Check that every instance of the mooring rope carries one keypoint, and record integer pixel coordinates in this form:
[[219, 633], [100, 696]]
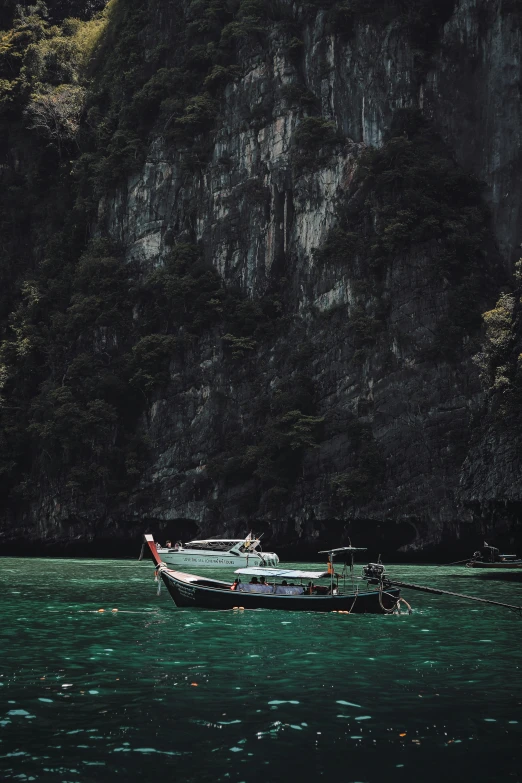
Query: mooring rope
[[354, 600], [394, 607], [436, 591], [455, 562], [157, 577]]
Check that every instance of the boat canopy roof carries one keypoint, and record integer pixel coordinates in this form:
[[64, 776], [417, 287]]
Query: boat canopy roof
[[282, 572]]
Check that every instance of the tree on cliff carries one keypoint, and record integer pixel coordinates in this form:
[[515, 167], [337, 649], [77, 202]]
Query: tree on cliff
[[57, 113]]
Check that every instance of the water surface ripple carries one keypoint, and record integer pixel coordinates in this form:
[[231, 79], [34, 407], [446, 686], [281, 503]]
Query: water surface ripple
[[152, 690]]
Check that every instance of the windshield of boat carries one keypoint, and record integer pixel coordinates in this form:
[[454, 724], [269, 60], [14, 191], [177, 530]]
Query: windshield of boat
[[249, 546]]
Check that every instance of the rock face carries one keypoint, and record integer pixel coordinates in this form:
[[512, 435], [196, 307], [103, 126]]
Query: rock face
[[443, 472], [252, 210]]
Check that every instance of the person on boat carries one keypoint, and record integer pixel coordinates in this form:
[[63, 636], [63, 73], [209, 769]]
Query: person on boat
[[264, 587], [254, 581], [168, 544], [235, 584], [295, 589]]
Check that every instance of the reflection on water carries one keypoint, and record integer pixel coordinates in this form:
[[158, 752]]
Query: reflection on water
[[149, 689]]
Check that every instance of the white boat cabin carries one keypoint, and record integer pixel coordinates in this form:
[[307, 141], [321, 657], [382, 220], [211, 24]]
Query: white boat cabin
[[218, 552]]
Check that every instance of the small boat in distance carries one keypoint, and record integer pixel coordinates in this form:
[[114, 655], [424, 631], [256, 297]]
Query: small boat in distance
[[272, 590], [490, 557], [218, 553]]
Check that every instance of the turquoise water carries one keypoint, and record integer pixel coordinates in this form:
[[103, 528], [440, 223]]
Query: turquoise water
[[152, 690]]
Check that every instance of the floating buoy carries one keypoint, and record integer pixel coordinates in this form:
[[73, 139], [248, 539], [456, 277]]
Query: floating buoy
[[114, 610], [241, 607], [235, 607], [194, 684], [101, 610]]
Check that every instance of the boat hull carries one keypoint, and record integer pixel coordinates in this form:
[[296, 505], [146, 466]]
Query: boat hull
[[187, 592], [215, 560]]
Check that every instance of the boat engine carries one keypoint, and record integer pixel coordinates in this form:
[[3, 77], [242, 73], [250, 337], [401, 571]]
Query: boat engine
[[374, 573]]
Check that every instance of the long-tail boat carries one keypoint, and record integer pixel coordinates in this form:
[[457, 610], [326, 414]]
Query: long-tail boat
[[490, 557], [269, 589]]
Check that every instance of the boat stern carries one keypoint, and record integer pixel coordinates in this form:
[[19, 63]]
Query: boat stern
[[269, 559]]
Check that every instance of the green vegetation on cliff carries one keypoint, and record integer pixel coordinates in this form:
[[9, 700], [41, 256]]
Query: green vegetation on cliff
[[85, 337], [285, 425], [414, 198], [500, 360], [88, 339]]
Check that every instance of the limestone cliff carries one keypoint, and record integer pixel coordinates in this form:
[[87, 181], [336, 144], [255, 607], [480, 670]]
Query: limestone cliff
[[402, 449]]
